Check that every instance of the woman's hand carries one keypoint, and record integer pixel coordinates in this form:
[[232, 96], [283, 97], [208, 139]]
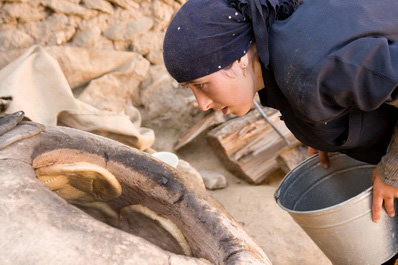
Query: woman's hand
[[382, 192], [323, 156]]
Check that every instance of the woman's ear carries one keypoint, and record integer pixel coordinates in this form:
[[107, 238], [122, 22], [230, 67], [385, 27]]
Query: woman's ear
[[244, 61]]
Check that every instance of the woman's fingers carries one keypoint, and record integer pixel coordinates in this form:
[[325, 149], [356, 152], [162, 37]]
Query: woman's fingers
[[376, 207], [382, 192], [389, 205], [312, 151], [324, 159], [323, 156]]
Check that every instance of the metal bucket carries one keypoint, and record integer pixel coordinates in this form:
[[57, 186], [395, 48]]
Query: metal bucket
[[333, 206]]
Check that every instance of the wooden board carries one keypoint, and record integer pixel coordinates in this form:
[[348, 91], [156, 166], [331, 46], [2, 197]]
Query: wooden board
[[248, 146]]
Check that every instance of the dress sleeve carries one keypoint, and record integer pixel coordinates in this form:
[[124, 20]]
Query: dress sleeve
[[361, 74], [387, 168]]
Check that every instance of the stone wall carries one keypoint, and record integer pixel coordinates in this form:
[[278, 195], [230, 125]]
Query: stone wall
[[115, 25]]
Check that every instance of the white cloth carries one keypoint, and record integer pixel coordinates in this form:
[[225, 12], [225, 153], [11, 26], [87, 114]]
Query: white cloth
[[39, 88]]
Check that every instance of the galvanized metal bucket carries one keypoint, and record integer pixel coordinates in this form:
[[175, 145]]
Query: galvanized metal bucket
[[333, 206]]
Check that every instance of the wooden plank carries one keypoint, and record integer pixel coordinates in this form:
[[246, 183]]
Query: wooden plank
[[248, 146], [290, 157], [211, 120]]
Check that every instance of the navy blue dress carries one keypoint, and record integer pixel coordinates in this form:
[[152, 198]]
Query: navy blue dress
[[333, 65]]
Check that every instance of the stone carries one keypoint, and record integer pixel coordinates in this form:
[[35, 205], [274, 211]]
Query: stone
[[65, 7], [100, 5], [76, 2], [213, 180], [156, 57], [87, 38], [101, 21], [42, 31], [104, 21], [80, 65], [75, 20], [152, 40], [169, 2], [146, 8], [103, 44], [163, 101], [111, 91], [128, 30], [61, 37], [7, 26], [11, 39], [33, 14], [18, 1], [120, 45], [5, 17], [142, 1], [22, 12], [125, 4], [163, 13]]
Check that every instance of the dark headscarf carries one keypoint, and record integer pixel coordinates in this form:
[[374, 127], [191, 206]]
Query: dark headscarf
[[208, 35]]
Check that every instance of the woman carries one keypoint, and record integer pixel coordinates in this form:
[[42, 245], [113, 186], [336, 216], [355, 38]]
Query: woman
[[330, 67]]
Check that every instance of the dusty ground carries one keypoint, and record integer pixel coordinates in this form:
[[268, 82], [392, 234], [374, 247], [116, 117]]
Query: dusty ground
[[254, 206]]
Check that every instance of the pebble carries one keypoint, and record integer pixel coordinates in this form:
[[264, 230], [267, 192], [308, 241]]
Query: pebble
[[213, 180]]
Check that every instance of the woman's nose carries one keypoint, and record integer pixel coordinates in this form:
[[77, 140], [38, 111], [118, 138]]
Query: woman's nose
[[204, 101]]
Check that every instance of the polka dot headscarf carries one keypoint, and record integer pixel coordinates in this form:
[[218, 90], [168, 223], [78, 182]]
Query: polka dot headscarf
[[208, 35]]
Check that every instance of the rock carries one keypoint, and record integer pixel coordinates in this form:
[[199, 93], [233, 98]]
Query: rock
[[146, 8], [162, 11], [5, 17], [103, 44], [112, 91], [100, 5], [191, 173], [152, 40], [169, 2], [156, 57], [104, 21], [120, 45], [76, 2], [22, 12], [61, 37], [11, 39], [43, 31], [125, 4], [80, 65], [150, 45], [18, 1], [213, 180], [128, 30], [65, 7], [163, 100], [87, 38]]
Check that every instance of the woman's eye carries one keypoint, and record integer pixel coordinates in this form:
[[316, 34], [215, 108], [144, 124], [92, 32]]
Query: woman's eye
[[200, 86]]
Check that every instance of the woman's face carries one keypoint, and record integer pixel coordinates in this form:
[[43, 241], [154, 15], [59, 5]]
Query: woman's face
[[229, 90]]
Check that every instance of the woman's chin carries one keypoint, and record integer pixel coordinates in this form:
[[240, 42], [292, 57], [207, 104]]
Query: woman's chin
[[240, 112]]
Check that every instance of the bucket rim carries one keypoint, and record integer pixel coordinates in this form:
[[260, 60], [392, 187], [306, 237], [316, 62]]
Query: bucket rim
[[323, 211], [331, 209]]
